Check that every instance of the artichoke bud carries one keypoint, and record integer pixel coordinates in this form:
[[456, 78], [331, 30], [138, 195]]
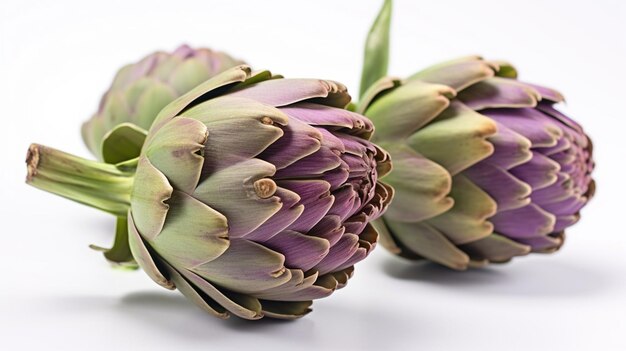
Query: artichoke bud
[[140, 90], [485, 167], [251, 194]]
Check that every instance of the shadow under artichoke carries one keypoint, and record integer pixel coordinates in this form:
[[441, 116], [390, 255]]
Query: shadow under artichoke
[[533, 277]]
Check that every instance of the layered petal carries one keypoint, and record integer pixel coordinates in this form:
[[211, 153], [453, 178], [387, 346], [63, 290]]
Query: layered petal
[[456, 140], [458, 74], [422, 186]]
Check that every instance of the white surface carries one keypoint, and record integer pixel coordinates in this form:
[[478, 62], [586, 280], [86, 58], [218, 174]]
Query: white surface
[[57, 57]]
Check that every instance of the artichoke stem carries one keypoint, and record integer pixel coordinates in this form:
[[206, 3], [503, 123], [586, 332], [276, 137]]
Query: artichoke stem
[[99, 185]]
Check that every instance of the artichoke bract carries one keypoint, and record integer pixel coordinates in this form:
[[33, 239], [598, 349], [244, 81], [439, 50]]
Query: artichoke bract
[[251, 194], [140, 90], [485, 168]]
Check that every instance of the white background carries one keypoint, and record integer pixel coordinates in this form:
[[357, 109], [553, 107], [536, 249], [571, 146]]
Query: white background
[[57, 57]]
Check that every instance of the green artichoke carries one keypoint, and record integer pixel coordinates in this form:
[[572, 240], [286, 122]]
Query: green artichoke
[[251, 194], [485, 168], [140, 90]]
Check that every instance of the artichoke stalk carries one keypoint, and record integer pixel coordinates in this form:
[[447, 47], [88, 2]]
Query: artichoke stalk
[[140, 90], [251, 194], [485, 167]]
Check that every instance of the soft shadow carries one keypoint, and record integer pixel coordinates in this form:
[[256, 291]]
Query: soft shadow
[[169, 313], [262, 324], [342, 322], [531, 276], [368, 324], [150, 299], [335, 323], [159, 308]]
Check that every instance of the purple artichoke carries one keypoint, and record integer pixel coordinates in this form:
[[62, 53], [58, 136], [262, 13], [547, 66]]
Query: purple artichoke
[[485, 168], [252, 194], [140, 90]]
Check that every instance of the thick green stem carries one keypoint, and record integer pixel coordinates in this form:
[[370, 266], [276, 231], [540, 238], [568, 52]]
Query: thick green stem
[[99, 185]]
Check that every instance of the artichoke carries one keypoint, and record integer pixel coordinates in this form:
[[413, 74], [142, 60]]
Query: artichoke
[[251, 194], [485, 168], [140, 90]]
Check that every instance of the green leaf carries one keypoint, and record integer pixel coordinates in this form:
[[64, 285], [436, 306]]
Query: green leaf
[[122, 143], [119, 255], [376, 59]]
